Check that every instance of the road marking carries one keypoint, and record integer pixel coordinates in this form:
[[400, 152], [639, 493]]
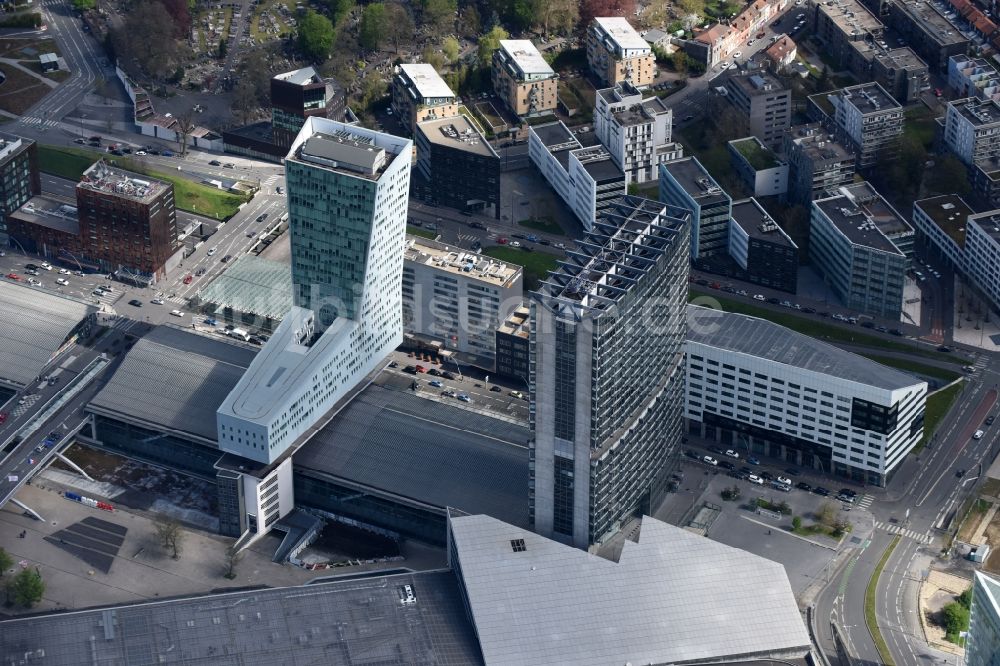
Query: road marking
[[920, 537], [865, 501]]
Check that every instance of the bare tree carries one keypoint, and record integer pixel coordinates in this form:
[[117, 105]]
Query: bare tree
[[185, 126], [171, 536], [233, 558]]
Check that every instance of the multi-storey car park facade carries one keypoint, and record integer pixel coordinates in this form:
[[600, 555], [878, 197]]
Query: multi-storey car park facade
[[764, 389], [606, 333]]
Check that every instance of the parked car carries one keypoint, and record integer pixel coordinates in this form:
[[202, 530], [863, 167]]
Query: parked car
[[62, 281], [802, 485], [732, 454], [464, 398], [215, 163], [436, 383], [710, 460], [753, 478], [821, 491], [135, 302], [177, 313], [753, 460]]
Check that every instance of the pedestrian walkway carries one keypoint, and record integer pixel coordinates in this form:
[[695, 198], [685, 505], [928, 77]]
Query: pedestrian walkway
[[33, 121], [865, 501], [921, 537]]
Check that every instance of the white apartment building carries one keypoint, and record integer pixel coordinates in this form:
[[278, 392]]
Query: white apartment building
[[763, 389], [972, 129], [347, 201], [636, 132], [587, 179], [982, 254], [457, 297]]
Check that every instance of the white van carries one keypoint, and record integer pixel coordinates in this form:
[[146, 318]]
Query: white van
[[239, 334]]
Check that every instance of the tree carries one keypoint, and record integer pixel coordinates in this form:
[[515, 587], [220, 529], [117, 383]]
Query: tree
[[556, 15], [591, 8], [6, 561], [399, 25], [489, 43], [27, 588], [84, 5], [372, 27], [826, 514], [797, 523], [185, 125], [949, 176], [178, 10], [169, 531], [691, 6], [223, 48], [469, 24], [244, 102], [233, 558], [680, 61], [339, 9], [142, 39], [439, 14], [435, 59], [955, 618], [451, 48], [315, 35], [965, 598]]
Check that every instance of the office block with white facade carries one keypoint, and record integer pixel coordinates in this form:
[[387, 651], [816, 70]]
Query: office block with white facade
[[616, 52], [348, 193], [865, 116], [942, 222], [636, 132], [419, 93], [763, 389], [850, 246], [607, 328], [587, 179], [972, 129], [982, 254], [760, 169], [687, 184], [982, 646], [457, 297]]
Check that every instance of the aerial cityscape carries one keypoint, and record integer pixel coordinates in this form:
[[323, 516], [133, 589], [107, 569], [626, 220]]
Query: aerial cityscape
[[578, 332]]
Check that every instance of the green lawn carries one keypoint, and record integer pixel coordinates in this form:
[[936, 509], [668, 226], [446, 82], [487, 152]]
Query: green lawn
[[824, 330], [536, 264], [870, 618], [543, 224], [919, 124], [938, 405], [699, 139], [915, 368], [65, 162], [188, 195], [417, 231]]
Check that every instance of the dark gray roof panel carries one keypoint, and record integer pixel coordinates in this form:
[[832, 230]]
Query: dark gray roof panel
[[33, 326], [175, 380], [426, 451], [764, 339], [360, 621]]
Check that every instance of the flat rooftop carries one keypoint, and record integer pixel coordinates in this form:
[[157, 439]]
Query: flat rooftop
[[869, 98], [758, 83], [880, 211], [755, 221], [989, 222], [902, 58], [34, 324], [694, 179], [469, 265], [426, 80], [527, 58], [978, 112], [457, 132], [756, 154], [10, 143], [341, 623], [51, 211], [851, 16], [621, 33], [517, 323], [639, 114], [819, 145], [933, 22], [949, 212], [536, 601], [626, 240], [103, 177], [763, 339], [597, 162], [555, 136], [852, 221], [424, 451], [174, 380]]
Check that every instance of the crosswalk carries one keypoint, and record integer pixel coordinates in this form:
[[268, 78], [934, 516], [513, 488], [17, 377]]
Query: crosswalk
[[34, 121], [29, 400], [981, 362], [467, 238], [921, 537], [270, 180], [124, 324], [865, 502]]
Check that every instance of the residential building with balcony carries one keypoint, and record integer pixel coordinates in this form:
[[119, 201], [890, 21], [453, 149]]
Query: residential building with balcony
[[617, 53], [523, 79], [420, 94]]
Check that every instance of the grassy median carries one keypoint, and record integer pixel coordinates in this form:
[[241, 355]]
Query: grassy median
[[871, 618]]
